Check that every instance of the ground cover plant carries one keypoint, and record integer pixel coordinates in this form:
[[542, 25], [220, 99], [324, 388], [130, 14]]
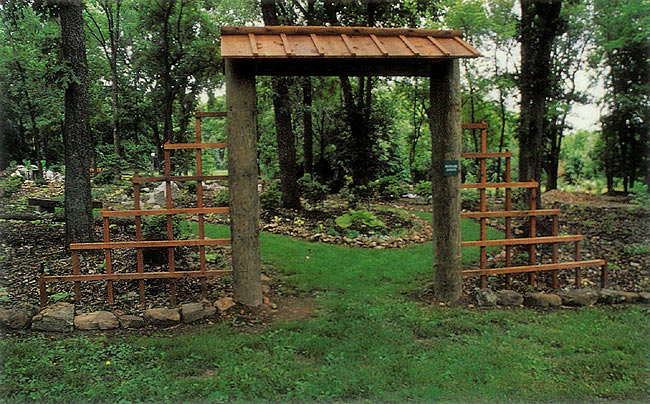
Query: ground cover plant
[[367, 341]]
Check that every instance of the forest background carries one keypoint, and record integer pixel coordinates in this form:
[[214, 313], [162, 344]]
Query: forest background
[[151, 64]]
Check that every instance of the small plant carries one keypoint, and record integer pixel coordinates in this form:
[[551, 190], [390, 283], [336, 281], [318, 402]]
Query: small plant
[[12, 184], [359, 219], [388, 188], [155, 228], [640, 195], [270, 199], [423, 189], [312, 190], [222, 198]]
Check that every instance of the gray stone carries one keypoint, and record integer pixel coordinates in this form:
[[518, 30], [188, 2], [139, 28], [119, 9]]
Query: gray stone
[[611, 296], [578, 297], [163, 316], [191, 312], [58, 317], [157, 196], [542, 300], [644, 297], [130, 321], [97, 320], [265, 279], [509, 298], [209, 310], [18, 317], [224, 304], [486, 297]]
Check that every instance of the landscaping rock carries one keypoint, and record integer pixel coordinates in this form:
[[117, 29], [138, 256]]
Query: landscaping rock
[[157, 196], [18, 317], [98, 320], [209, 310], [130, 321], [224, 303], [509, 298], [610, 296], [163, 316], [265, 279], [578, 297], [644, 297], [486, 297], [191, 312], [58, 317], [542, 300]]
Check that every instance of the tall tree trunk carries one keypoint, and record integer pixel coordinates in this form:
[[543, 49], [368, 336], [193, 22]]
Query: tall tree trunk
[[539, 26], [283, 129], [76, 131]]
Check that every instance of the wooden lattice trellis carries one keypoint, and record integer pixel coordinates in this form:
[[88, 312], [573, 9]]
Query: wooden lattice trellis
[[107, 245], [532, 212]]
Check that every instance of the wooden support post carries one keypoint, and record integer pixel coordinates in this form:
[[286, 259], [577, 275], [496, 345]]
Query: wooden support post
[[578, 257], [138, 237], [199, 204], [532, 252], [76, 271], [483, 207], [445, 124], [242, 180], [170, 230], [41, 287], [107, 258], [604, 276], [508, 220], [556, 232]]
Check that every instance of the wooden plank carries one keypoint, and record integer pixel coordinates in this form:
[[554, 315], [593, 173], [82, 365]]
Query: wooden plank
[[409, 45], [107, 259], [531, 184], [533, 268], [319, 48], [508, 220], [475, 125], [55, 203], [438, 45], [156, 212], [324, 30], [149, 244], [532, 251], [253, 43], [210, 114], [135, 276], [379, 45], [485, 155], [512, 213], [467, 46], [161, 178], [348, 44], [138, 237], [177, 146], [285, 43], [520, 241]]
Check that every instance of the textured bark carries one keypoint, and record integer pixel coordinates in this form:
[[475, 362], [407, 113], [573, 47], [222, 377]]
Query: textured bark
[[242, 177], [539, 26], [76, 128], [308, 135], [445, 123]]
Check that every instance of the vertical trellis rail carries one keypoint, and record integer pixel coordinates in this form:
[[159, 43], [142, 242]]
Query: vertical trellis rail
[[170, 243], [532, 240]]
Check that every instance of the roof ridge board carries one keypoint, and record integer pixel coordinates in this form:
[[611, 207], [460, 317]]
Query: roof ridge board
[[337, 30]]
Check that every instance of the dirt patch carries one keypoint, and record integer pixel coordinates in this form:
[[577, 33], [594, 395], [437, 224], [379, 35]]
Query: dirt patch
[[584, 198]]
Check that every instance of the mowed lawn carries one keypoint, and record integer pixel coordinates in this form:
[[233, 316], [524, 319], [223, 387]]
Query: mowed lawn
[[368, 341]]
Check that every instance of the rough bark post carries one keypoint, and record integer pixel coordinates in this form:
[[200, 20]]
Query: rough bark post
[[445, 123], [242, 178], [78, 143]]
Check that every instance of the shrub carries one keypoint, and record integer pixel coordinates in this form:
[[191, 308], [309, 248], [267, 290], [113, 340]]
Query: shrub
[[155, 228], [312, 190], [270, 199], [359, 220], [640, 195], [388, 188], [12, 184], [423, 189], [222, 198]]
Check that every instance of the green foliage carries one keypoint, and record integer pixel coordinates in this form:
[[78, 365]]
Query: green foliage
[[312, 190], [640, 195], [388, 188], [359, 220], [423, 189], [271, 197], [11, 185], [222, 198], [155, 227]]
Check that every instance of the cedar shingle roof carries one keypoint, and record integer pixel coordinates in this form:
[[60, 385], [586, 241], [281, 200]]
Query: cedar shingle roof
[[342, 42]]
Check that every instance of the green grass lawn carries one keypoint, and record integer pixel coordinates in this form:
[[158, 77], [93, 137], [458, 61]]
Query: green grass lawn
[[367, 342]]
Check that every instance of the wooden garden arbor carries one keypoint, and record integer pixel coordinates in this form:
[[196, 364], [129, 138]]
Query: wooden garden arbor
[[349, 51]]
